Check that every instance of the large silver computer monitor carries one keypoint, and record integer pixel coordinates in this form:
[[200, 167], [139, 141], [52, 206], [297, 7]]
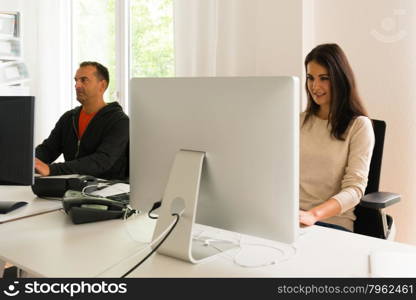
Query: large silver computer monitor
[[247, 129]]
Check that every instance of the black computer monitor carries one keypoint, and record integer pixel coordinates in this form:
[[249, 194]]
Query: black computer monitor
[[16, 140]]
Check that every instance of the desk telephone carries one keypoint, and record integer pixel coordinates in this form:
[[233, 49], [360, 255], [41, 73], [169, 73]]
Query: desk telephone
[[78, 203], [86, 208]]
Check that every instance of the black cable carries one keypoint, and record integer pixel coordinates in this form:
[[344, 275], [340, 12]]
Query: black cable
[[152, 217], [155, 206], [154, 249]]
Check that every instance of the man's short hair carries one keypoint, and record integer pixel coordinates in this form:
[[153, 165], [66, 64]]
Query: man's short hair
[[102, 72]]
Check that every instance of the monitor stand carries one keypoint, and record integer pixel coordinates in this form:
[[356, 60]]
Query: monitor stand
[[181, 195]]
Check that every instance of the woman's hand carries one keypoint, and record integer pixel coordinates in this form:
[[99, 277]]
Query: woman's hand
[[325, 210], [307, 218]]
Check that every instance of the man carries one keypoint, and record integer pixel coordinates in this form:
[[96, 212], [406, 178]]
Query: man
[[93, 137]]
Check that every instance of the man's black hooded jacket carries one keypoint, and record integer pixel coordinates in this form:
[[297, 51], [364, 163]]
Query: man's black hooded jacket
[[102, 151]]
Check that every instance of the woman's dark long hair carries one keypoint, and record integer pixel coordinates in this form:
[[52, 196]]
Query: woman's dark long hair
[[345, 103]]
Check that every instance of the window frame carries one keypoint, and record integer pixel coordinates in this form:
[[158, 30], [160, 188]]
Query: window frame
[[122, 52], [123, 58]]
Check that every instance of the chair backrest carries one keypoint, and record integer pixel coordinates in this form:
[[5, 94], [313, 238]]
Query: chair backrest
[[369, 221], [375, 165], [127, 174]]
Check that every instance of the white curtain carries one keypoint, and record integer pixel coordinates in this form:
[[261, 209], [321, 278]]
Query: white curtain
[[46, 33], [238, 37]]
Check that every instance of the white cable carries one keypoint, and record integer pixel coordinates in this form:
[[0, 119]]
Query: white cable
[[235, 258], [148, 246], [126, 226], [88, 186], [272, 262], [98, 185], [210, 239]]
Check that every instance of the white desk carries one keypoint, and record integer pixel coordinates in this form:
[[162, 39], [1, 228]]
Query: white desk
[[24, 193], [49, 245], [35, 206], [321, 252]]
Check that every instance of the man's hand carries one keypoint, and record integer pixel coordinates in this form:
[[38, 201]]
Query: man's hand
[[41, 167]]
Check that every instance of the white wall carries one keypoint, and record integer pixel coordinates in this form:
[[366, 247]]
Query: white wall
[[379, 39], [308, 41], [47, 53]]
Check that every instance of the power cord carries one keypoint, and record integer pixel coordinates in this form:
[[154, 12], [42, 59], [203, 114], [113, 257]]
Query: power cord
[[142, 249], [155, 206], [154, 249]]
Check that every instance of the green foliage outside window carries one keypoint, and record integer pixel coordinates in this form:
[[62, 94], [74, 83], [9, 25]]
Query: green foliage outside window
[[152, 53], [151, 37]]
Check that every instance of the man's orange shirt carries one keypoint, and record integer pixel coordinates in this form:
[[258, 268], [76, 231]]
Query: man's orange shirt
[[84, 120]]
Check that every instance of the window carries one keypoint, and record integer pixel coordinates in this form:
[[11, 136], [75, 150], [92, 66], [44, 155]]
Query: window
[[98, 26], [151, 38], [94, 37]]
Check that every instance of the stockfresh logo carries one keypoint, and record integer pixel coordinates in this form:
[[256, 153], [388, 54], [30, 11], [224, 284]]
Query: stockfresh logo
[[11, 290], [391, 32]]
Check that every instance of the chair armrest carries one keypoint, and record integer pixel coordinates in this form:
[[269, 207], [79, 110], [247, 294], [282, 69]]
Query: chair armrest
[[379, 200]]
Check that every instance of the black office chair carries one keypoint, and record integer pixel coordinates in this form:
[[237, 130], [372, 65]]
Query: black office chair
[[371, 219], [127, 174]]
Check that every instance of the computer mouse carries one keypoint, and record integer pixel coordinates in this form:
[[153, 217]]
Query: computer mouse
[[8, 206]]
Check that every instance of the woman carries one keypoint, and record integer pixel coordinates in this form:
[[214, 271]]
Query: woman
[[336, 139]]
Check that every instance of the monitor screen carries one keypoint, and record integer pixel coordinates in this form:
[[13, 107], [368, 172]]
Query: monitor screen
[[16, 140], [248, 128]]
